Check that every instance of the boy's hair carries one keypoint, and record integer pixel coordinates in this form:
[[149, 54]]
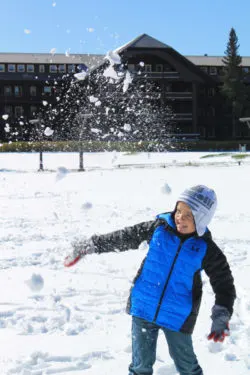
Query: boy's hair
[[203, 202]]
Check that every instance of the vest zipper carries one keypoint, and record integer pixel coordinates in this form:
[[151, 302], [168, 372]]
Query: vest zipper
[[167, 281]]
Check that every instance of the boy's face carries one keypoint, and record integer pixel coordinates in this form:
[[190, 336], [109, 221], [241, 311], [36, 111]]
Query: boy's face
[[184, 219]]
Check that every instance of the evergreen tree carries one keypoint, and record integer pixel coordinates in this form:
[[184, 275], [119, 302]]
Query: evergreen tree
[[234, 88]]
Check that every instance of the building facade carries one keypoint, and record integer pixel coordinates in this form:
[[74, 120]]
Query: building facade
[[191, 84]]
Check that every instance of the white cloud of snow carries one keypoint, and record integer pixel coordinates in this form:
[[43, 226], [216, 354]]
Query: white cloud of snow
[[48, 131]]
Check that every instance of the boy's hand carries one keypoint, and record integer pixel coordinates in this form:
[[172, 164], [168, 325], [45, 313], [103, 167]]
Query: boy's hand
[[220, 325], [219, 335], [80, 249]]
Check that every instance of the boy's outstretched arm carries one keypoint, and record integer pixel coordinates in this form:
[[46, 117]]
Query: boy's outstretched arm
[[120, 240], [222, 282]]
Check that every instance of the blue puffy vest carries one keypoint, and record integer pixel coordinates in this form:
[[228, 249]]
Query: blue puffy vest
[[163, 291]]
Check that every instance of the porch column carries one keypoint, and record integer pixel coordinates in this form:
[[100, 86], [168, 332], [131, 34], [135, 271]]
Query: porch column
[[194, 108]]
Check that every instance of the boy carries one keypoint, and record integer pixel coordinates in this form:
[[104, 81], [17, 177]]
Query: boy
[[167, 289]]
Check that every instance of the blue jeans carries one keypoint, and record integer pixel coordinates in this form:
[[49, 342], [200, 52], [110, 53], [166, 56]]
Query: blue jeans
[[144, 340]]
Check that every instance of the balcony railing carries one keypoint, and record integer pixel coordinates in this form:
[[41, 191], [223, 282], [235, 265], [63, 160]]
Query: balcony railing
[[178, 95], [169, 75], [182, 117]]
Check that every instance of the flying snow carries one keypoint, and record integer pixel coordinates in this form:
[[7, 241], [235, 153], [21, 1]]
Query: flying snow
[[61, 173], [52, 51], [35, 283], [48, 131], [27, 31], [113, 58], [127, 127], [87, 205], [127, 81], [67, 52], [7, 128], [93, 99], [80, 76], [5, 117], [111, 73], [90, 29], [166, 189]]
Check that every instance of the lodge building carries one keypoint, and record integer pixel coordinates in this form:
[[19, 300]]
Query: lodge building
[[192, 83]]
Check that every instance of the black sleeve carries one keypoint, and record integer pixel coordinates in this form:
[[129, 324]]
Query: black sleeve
[[124, 239], [217, 268]]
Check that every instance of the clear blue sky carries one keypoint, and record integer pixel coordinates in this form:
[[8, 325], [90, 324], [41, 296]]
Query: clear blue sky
[[192, 27]]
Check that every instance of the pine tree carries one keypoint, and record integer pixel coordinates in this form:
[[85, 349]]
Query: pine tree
[[234, 89]]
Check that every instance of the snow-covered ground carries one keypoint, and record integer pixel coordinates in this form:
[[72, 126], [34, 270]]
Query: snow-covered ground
[[73, 321]]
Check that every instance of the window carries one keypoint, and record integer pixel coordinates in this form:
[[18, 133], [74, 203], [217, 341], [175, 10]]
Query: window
[[167, 68], [53, 68], [21, 68], [213, 70], [210, 132], [148, 68], [169, 87], [71, 68], [33, 90], [47, 90], [7, 90], [33, 110], [18, 111], [30, 68], [211, 91], [11, 68], [245, 69], [204, 68], [2, 68], [8, 109], [131, 67], [202, 131], [18, 90], [41, 68], [159, 68], [61, 68]]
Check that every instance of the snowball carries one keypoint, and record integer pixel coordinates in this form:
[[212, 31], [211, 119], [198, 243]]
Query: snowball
[[141, 63], [35, 283], [127, 127], [61, 173], [5, 117], [113, 58], [127, 81], [166, 189], [87, 206], [53, 51], [48, 132], [95, 130], [45, 103], [80, 76], [98, 103], [93, 99], [7, 128], [111, 73]]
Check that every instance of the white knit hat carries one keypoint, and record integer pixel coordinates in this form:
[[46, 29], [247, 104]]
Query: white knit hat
[[203, 202]]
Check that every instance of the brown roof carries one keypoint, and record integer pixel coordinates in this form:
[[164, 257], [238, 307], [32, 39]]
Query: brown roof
[[214, 60], [48, 58]]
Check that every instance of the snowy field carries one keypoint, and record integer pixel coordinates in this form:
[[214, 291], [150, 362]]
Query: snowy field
[[55, 320]]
